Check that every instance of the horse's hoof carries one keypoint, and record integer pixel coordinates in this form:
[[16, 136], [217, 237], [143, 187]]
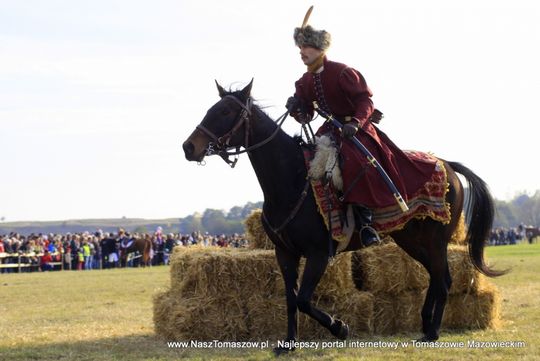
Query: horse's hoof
[[278, 351], [340, 329], [428, 338]]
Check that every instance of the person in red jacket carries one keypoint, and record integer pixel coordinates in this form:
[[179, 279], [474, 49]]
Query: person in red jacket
[[45, 261], [342, 91]]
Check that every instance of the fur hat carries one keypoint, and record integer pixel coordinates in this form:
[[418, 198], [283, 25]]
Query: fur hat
[[306, 35]]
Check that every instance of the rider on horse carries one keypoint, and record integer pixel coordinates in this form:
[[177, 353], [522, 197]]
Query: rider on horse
[[342, 91]]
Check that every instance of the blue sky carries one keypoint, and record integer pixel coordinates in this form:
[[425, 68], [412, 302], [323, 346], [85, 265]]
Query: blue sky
[[97, 96]]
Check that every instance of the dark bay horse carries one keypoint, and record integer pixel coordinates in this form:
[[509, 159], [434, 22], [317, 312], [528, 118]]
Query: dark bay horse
[[293, 223]]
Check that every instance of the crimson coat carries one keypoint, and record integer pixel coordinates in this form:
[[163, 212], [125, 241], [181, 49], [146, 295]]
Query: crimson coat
[[343, 92]]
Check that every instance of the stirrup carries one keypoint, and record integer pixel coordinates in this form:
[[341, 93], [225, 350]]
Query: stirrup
[[373, 231]]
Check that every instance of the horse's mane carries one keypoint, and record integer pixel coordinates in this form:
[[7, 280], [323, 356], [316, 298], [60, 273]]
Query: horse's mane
[[297, 139]]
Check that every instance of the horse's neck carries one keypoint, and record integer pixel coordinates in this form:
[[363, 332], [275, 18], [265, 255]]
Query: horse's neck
[[278, 165]]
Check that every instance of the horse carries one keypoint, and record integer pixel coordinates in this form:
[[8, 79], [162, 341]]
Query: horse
[[136, 244], [532, 233], [292, 221]]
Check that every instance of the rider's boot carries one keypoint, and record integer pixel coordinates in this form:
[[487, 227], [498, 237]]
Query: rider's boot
[[363, 219]]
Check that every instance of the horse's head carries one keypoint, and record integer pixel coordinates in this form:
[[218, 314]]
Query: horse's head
[[221, 128]]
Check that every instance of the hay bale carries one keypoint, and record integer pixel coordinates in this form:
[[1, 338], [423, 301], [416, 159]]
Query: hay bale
[[255, 233], [408, 308], [212, 272], [388, 269], [384, 315], [199, 318], [397, 313], [474, 310], [266, 317], [402, 312], [337, 281], [162, 311]]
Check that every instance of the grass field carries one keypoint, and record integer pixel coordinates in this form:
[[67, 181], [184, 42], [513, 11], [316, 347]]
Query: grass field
[[107, 315]]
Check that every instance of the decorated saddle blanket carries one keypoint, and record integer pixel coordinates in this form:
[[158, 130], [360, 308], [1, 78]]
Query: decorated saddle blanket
[[324, 173], [428, 201]]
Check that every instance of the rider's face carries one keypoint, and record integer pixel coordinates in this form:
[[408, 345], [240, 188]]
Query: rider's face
[[309, 54]]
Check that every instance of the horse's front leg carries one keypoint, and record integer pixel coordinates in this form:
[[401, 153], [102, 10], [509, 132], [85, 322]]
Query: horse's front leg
[[288, 264], [314, 270]]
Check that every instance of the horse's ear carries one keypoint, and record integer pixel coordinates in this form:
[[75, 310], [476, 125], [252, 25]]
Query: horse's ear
[[220, 89], [246, 92]]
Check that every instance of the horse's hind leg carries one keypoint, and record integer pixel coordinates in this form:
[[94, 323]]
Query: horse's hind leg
[[313, 271]]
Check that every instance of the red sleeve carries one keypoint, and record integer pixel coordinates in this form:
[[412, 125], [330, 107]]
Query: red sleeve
[[358, 93]]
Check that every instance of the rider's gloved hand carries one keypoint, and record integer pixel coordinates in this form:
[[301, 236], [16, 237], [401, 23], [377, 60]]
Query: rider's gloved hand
[[296, 110], [349, 129], [292, 104]]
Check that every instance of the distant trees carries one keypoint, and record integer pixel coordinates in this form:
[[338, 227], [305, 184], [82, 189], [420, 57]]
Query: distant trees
[[522, 209], [217, 221]]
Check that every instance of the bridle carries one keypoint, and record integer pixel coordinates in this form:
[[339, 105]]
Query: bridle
[[221, 145]]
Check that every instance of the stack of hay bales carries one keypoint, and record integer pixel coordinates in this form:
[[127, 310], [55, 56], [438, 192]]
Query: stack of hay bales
[[238, 295]]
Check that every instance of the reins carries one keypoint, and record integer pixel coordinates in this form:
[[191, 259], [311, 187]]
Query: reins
[[221, 145]]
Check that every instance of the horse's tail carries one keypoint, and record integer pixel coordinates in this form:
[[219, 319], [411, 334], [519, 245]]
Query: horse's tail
[[481, 212]]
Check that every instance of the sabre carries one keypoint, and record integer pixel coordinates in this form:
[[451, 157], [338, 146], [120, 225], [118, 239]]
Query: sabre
[[371, 159]]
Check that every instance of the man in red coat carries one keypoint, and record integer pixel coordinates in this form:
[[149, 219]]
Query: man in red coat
[[343, 92]]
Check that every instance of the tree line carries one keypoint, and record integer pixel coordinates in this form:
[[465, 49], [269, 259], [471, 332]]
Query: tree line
[[523, 208]]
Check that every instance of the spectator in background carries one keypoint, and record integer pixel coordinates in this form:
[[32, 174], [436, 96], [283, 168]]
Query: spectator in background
[[80, 259], [45, 262], [168, 247], [75, 244], [67, 256], [111, 246], [158, 245], [87, 254], [97, 252], [103, 245]]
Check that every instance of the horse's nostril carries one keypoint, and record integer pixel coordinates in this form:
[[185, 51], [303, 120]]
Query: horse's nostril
[[189, 148]]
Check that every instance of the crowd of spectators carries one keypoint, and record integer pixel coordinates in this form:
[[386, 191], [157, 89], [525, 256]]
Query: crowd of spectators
[[98, 250], [503, 236]]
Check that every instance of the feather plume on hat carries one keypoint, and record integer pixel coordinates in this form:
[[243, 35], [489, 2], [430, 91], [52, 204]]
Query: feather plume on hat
[[306, 35]]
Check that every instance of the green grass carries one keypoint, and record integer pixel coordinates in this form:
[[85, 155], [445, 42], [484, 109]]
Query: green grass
[[107, 315]]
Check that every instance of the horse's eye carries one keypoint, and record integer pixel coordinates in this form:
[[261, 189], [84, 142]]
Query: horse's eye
[[225, 111]]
